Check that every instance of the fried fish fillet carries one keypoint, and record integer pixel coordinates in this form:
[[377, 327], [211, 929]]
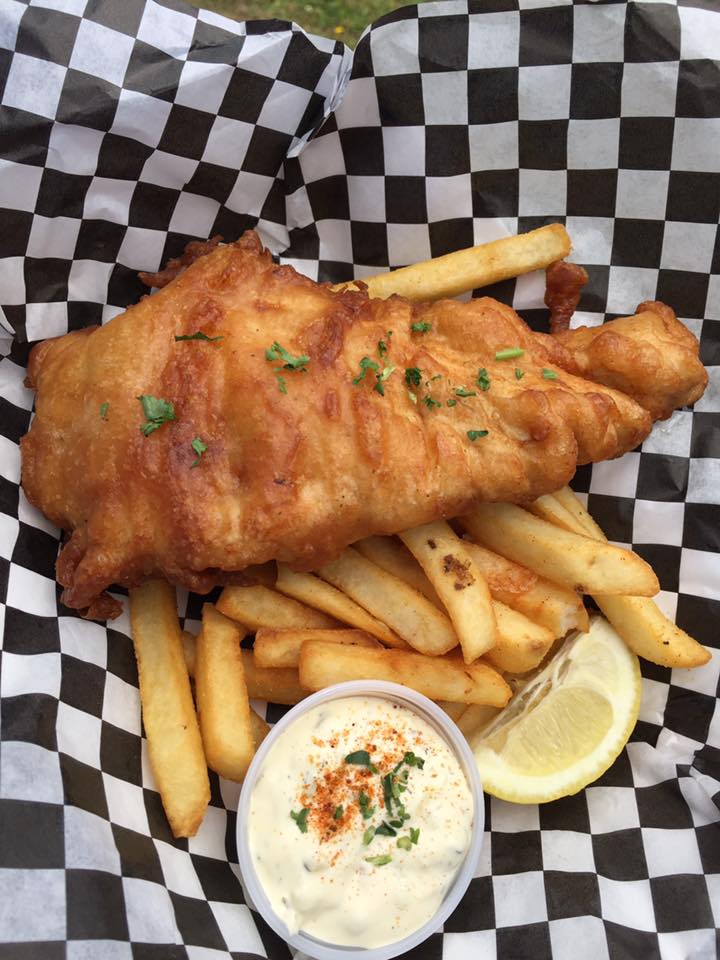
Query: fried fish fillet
[[316, 418]]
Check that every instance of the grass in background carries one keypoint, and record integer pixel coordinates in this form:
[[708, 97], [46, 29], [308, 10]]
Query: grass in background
[[340, 19]]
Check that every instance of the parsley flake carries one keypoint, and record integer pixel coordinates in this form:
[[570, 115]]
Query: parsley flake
[[413, 376], [104, 407], [277, 352], [422, 326], [510, 354], [483, 380], [361, 758], [382, 348], [365, 808], [379, 861], [337, 815], [381, 378], [199, 335], [282, 386], [414, 834], [519, 374], [368, 836], [405, 843], [452, 403], [199, 447], [476, 434], [157, 412], [549, 374], [301, 819], [385, 830], [430, 403], [413, 761], [462, 392], [365, 364]]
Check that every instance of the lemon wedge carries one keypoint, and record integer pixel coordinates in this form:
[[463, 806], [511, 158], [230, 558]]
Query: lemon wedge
[[567, 723]]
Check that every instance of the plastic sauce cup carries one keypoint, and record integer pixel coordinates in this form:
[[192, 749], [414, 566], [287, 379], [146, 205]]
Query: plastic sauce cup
[[445, 727]]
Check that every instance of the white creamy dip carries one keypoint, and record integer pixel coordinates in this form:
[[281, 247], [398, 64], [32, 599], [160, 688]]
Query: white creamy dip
[[316, 809]]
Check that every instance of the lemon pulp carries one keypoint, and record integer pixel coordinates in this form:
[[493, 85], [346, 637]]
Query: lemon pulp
[[568, 722]]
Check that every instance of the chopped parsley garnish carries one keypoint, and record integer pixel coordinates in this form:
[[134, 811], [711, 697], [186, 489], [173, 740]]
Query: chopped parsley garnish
[[549, 374], [368, 836], [462, 392], [337, 815], [422, 326], [379, 861], [519, 374], [382, 346], [430, 403], [365, 364], [157, 412], [104, 407], [476, 434], [405, 843], [414, 761], [510, 354], [413, 376], [301, 819], [277, 352], [381, 378], [483, 380], [199, 447], [282, 386], [362, 759], [199, 335], [365, 808], [414, 834], [385, 830], [452, 403], [387, 785]]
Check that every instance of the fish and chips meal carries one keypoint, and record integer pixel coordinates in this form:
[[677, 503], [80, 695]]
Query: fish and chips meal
[[378, 479]]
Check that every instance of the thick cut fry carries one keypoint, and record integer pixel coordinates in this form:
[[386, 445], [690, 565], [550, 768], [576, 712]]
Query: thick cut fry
[[258, 606], [638, 620], [281, 648], [260, 728], [550, 509], [446, 678], [453, 710], [475, 718], [316, 593], [406, 611], [521, 644], [171, 725], [567, 558], [274, 685], [221, 697], [459, 584], [557, 608], [474, 267], [393, 556]]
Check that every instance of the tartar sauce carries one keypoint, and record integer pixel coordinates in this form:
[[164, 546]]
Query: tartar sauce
[[359, 821]]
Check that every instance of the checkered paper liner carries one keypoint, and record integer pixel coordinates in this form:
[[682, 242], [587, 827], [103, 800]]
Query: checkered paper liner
[[128, 129]]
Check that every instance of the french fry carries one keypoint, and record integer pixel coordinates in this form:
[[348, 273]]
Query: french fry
[[260, 728], [473, 267], [550, 509], [273, 685], [475, 718], [281, 648], [570, 559], [221, 697], [171, 725], [556, 608], [408, 613], [259, 606], [453, 710], [639, 621], [521, 644], [393, 556], [459, 584], [316, 593], [446, 678]]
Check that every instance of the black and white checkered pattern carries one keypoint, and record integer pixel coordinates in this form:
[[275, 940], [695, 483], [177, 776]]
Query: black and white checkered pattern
[[127, 129]]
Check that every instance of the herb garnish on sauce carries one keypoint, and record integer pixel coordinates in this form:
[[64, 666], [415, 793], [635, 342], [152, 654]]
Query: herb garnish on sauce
[[301, 819]]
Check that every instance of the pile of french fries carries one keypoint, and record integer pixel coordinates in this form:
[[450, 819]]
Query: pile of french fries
[[458, 611]]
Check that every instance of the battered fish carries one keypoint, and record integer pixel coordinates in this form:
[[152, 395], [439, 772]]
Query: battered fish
[[289, 420]]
